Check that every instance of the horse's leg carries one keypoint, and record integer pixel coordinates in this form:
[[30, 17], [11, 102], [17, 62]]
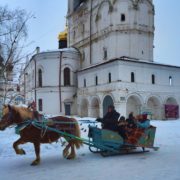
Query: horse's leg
[[15, 146], [65, 151], [72, 155], [37, 151]]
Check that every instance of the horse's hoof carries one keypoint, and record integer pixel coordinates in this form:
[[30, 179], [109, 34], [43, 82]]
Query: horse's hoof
[[70, 157], [65, 154], [21, 152], [35, 163]]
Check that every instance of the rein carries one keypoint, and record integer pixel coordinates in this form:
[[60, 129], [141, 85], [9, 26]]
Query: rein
[[44, 123], [22, 125]]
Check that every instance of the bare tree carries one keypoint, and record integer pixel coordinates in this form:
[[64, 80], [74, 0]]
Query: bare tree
[[13, 35]]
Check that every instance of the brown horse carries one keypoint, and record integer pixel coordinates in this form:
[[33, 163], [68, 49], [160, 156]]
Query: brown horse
[[18, 115]]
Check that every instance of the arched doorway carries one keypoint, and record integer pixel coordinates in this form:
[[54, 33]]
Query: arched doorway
[[95, 107], [171, 108], [171, 101], [107, 102], [134, 105], [84, 108], [154, 105]]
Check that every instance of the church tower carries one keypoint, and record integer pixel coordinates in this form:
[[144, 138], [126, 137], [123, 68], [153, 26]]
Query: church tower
[[109, 29]]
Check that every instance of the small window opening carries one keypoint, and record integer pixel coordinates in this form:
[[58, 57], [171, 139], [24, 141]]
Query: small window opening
[[123, 17]]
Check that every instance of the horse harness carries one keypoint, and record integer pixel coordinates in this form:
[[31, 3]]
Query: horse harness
[[43, 125]]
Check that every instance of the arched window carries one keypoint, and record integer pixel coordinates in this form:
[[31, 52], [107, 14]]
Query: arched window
[[105, 53], [84, 82], [77, 3], [170, 80], [153, 79], [109, 76], [132, 77], [96, 80], [67, 77], [39, 77]]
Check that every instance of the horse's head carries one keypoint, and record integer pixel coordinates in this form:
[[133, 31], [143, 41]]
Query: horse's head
[[7, 117], [13, 115]]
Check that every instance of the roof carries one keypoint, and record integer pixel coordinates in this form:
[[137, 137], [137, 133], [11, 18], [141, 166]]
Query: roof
[[52, 51], [127, 59]]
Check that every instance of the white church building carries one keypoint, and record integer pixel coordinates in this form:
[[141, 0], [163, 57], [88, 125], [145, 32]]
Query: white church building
[[108, 60]]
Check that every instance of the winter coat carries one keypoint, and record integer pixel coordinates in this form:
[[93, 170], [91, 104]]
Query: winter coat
[[144, 124], [131, 123], [110, 120]]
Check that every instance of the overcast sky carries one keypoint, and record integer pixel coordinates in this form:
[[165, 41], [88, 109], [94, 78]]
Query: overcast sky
[[50, 20]]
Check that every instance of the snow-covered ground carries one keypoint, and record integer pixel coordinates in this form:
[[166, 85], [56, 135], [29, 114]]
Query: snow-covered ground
[[155, 165]]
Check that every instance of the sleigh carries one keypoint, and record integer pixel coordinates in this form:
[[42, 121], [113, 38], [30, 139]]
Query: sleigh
[[109, 143]]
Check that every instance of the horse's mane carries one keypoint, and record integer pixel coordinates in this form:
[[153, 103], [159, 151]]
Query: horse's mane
[[25, 113]]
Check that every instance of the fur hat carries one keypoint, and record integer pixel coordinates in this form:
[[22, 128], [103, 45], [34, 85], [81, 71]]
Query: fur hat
[[111, 107]]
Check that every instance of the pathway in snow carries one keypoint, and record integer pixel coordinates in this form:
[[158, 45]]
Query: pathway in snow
[[161, 165]]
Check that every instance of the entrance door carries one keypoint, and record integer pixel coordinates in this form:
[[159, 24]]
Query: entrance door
[[67, 109], [107, 101], [171, 111]]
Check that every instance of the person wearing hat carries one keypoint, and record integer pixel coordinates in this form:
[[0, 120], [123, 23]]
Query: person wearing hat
[[143, 122], [131, 121], [110, 120]]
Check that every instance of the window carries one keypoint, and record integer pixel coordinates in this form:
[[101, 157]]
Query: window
[[67, 109], [67, 78], [40, 104], [84, 82], [153, 79], [170, 80], [109, 76], [132, 77], [83, 56], [40, 78], [96, 80], [123, 17], [105, 53], [77, 3], [74, 34], [82, 28]]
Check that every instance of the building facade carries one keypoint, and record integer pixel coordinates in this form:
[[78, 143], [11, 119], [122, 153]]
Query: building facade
[[116, 41], [50, 80], [110, 61]]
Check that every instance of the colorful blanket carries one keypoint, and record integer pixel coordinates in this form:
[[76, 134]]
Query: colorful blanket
[[133, 135]]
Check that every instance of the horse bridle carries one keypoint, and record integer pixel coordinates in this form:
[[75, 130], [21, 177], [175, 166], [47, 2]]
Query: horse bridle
[[9, 117]]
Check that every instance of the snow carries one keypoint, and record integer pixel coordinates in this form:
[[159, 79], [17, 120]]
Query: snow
[[154, 165]]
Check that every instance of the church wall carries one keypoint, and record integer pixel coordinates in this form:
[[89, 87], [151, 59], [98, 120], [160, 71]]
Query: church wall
[[51, 92], [133, 36], [121, 87]]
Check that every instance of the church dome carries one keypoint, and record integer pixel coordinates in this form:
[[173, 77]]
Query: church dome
[[63, 35]]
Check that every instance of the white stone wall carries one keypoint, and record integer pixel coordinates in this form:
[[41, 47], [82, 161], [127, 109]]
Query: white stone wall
[[92, 35], [133, 37], [53, 90], [139, 96]]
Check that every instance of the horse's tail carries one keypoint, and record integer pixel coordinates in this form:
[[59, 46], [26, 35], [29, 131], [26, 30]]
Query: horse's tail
[[78, 143]]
